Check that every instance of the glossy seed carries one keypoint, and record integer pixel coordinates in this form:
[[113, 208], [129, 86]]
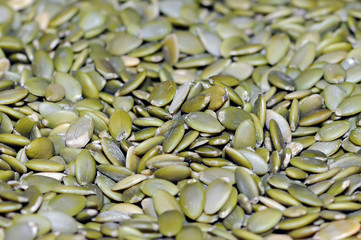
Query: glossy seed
[[79, 132], [120, 124], [264, 220], [203, 122], [304, 195], [216, 196], [338, 230], [170, 223]]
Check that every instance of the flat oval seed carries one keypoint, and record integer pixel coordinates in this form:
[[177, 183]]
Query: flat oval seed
[[282, 124], [44, 165], [332, 131], [307, 79], [310, 165], [334, 73], [164, 201], [70, 204], [89, 89], [208, 175], [43, 223], [348, 106], [196, 103], [25, 231], [279, 41], [327, 148], [43, 65], [304, 195], [173, 173], [191, 233], [185, 38], [170, 223], [244, 234], [72, 87], [203, 122], [210, 40], [173, 138], [171, 49], [126, 208], [126, 41], [333, 96], [338, 230], [79, 132], [13, 95], [120, 125], [246, 184], [231, 117], [264, 220], [192, 199], [294, 223], [282, 197], [216, 196], [162, 93], [54, 92], [57, 220], [113, 152], [155, 30], [259, 165], [304, 56], [129, 181], [85, 168], [131, 84], [245, 128], [40, 148], [63, 59], [150, 186], [238, 157]]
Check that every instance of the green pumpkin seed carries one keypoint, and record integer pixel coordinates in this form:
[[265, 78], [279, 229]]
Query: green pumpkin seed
[[281, 42], [70, 204], [120, 124], [155, 30], [210, 40], [332, 131], [173, 173], [57, 219], [79, 132], [338, 229], [71, 86], [21, 231], [203, 122], [304, 195], [347, 106], [308, 78], [164, 201], [85, 168], [127, 41], [162, 93], [247, 128], [246, 184], [294, 223], [264, 220], [231, 117], [190, 232], [213, 201], [131, 84], [13, 95]]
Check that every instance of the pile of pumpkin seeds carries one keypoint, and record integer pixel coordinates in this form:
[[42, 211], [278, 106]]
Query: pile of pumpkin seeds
[[185, 119]]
